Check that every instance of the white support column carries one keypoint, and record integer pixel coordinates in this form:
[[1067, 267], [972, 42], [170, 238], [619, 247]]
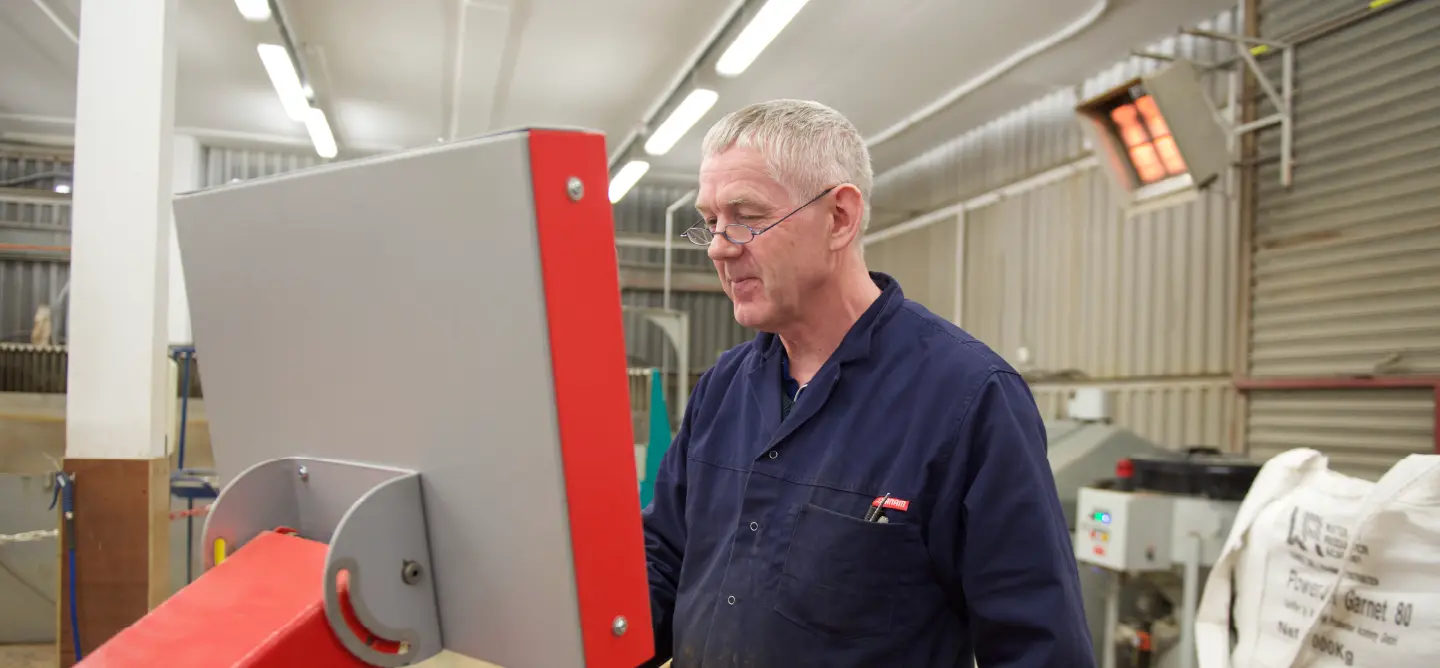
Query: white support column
[[124, 119]]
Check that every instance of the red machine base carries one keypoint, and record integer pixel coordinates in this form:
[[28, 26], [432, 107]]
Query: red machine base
[[262, 607]]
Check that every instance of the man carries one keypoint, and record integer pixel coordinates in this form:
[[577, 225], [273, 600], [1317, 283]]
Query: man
[[863, 484]]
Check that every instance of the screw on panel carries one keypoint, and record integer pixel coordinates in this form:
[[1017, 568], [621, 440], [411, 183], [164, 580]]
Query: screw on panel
[[619, 626], [410, 572], [575, 188], [304, 473]]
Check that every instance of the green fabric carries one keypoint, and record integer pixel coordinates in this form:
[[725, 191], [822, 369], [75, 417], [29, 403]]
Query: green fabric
[[659, 437]]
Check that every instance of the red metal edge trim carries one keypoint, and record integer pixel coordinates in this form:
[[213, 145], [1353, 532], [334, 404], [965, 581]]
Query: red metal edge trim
[[1336, 383], [1250, 384], [587, 352]]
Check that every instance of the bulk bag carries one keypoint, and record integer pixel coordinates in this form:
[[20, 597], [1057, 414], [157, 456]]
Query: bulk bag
[[1323, 570]]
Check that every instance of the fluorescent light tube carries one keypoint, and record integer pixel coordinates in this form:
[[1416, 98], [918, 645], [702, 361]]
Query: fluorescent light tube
[[286, 81], [254, 10], [320, 134], [685, 116], [768, 22], [626, 178]]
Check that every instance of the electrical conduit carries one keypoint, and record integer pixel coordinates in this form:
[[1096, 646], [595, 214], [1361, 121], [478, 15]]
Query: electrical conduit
[[955, 95]]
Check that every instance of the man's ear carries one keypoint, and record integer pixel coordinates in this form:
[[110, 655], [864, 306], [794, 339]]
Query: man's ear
[[847, 211]]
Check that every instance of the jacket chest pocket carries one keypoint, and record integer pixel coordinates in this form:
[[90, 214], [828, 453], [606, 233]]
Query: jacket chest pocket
[[843, 577]]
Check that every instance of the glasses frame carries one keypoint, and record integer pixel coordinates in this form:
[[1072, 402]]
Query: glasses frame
[[704, 225]]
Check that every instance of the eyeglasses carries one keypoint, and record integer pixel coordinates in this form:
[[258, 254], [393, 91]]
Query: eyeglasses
[[738, 233]]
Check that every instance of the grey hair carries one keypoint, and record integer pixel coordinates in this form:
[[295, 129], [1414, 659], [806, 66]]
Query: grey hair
[[808, 146]]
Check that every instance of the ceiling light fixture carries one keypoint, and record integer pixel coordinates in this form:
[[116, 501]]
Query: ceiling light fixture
[[626, 178], [286, 80], [254, 10], [767, 24], [685, 116], [320, 134]]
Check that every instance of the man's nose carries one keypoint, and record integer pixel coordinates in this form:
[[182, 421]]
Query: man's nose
[[721, 247]]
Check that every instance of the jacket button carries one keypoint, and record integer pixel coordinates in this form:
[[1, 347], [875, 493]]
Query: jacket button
[[754, 526], [774, 454], [730, 600]]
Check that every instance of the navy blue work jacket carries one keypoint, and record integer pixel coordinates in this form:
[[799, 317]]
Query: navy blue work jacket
[[758, 554]]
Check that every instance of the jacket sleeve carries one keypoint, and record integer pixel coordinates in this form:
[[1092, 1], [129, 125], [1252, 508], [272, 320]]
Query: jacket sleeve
[[1002, 539], [665, 530]]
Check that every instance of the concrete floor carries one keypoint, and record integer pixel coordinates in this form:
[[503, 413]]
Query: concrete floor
[[28, 656]]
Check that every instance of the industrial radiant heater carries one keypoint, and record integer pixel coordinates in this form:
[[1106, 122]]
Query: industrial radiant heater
[[415, 379]]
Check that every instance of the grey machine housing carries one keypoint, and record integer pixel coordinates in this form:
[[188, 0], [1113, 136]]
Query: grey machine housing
[[378, 376]]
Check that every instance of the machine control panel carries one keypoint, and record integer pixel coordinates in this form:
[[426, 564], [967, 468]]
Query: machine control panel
[[1123, 531]]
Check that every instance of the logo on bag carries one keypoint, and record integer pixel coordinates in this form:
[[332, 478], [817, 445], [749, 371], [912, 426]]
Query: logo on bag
[[1310, 526]]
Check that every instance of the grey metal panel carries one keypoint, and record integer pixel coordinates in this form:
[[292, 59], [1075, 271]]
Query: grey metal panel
[[1346, 279], [924, 263], [1173, 413], [1364, 432], [224, 165], [1061, 272], [1039, 136], [290, 369]]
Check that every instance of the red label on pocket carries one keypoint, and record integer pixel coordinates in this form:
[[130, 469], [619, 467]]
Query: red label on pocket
[[892, 503]]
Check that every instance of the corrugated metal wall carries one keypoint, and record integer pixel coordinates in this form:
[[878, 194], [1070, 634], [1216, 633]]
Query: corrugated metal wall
[[1346, 261], [1061, 272], [1142, 305], [24, 286], [32, 214], [1347, 279], [1364, 432], [223, 165], [933, 281], [643, 211], [713, 329], [34, 167], [1175, 413]]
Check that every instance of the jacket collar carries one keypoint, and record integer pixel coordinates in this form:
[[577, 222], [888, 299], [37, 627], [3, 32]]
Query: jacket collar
[[857, 342]]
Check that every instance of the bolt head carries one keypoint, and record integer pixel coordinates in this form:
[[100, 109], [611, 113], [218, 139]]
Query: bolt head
[[574, 188], [410, 572], [304, 473], [620, 626]]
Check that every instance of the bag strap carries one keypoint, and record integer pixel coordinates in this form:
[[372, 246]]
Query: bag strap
[[1413, 470], [1278, 476]]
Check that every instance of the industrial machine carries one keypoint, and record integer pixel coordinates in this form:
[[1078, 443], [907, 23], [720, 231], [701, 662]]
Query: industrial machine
[[1137, 511], [374, 511], [1159, 515], [1083, 451]]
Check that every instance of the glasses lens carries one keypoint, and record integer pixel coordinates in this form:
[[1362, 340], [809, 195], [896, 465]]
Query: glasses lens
[[699, 235], [739, 234]]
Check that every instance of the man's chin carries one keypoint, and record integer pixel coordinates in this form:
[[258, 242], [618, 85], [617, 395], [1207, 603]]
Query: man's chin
[[751, 315]]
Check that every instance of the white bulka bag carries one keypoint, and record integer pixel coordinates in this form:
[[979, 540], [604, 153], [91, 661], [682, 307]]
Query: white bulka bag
[[1305, 532]]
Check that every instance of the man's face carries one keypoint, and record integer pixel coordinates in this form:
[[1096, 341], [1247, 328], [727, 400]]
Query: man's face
[[768, 277]]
